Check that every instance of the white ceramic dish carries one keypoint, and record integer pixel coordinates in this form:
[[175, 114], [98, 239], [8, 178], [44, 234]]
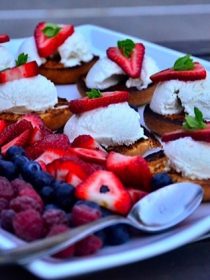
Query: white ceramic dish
[[144, 246]]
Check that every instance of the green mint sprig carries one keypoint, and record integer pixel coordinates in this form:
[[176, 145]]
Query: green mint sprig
[[94, 93], [126, 46], [51, 30], [22, 59], [184, 63], [196, 122]]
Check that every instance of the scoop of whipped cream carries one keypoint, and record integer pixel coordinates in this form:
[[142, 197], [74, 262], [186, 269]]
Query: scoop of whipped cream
[[75, 50], [27, 94], [190, 157], [7, 60], [28, 46], [173, 96], [105, 73], [116, 124]]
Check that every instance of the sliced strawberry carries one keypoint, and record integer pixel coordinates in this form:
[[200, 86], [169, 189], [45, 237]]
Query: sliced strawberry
[[4, 38], [87, 142], [3, 125], [136, 194], [198, 73], [69, 169], [90, 155], [49, 141], [50, 155], [131, 65], [132, 170], [104, 188], [20, 140], [84, 104], [13, 130], [26, 70], [196, 134], [48, 45], [34, 119], [38, 134]]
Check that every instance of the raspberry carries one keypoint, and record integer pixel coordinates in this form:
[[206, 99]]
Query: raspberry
[[3, 203], [54, 217], [69, 251], [19, 184], [30, 192], [24, 202], [7, 218], [88, 246], [6, 189], [28, 225], [84, 212]]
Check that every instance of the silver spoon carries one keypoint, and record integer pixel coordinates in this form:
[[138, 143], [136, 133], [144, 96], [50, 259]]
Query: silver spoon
[[155, 212]]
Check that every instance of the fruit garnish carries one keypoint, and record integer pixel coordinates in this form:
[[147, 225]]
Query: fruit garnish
[[87, 142], [89, 155], [104, 188], [136, 194], [84, 104], [197, 73], [49, 37], [50, 155], [3, 125], [132, 170], [128, 57], [22, 59], [94, 93], [194, 122], [184, 63], [4, 38], [26, 70]]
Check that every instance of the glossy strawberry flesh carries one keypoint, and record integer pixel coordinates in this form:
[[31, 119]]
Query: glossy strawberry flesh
[[48, 46], [196, 134], [78, 106], [136, 194], [50, 155], [131, 65], [87, 142], [91, 155], [132, 170], [104, 188], [3, 125], [4, 38], [198, 73]]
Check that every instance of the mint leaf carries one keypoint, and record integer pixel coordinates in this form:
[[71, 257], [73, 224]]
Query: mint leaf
[[51, 30], [196, 122], [94, 93], [184, 63], [126, 47], [22, 59]]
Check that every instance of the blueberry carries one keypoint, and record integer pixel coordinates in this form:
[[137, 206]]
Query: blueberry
[[40, 179], [20, 161], [8, 169], [15, 151], [160, 180], [47, 194], [116, 235], [29, 169], [89, 203], [64, 196], [51, 206]]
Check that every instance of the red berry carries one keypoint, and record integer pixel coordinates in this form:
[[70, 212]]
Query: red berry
[[87, 142], [88, 246], [3, 125], [7, 216], [22, 203], [69, 251], [19, 184], [28, 225], [6, 189], [4, 203], [93, 156], [55, 217], [4, 38]]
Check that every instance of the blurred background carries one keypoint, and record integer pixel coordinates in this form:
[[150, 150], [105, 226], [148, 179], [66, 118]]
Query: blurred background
[[154, 20]]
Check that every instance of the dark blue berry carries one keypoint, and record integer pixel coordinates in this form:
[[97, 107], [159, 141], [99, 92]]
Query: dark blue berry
[[20, 161], [15, 151], [160, 180], [47, 194], [89, 204], [116, 235], [40, 179], [64, 196], [29, 169], [51, 206], [8, 169]]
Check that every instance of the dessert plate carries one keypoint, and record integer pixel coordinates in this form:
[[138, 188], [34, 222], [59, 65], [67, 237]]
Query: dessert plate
[[142, 246]]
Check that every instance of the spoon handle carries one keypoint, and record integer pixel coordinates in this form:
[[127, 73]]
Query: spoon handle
[[51, 245]]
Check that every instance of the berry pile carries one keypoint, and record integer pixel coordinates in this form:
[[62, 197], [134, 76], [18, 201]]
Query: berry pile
[[48, 186]]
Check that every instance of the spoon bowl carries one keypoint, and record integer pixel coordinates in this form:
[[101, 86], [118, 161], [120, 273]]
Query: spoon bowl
[[159, 210]]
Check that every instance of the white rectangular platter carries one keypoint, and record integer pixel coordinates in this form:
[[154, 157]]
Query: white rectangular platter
[[139, 248]]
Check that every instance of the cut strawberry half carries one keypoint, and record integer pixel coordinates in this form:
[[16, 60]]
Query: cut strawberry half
[[34, 119], [87, 142], [132, 170], [4, 38], [3, 125], [26, 70], [50, 155], [198, 73], [69, 169], [90, 155], [20, 140], [104, 188], [84, 104], [47, 45], [136, 194], [131, 65], [13, 130], [196, 134]]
